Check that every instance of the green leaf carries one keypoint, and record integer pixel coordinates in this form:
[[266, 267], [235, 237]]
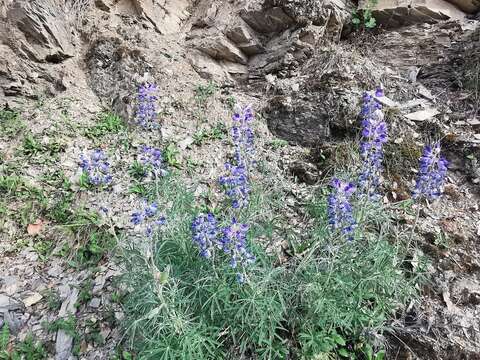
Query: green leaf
[[4, 337], [338, 340], [371, 23], [356, 21], [380, 355], [343, 352], [368, 352]]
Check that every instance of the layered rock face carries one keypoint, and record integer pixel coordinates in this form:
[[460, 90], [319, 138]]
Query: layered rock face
[[256, 38]]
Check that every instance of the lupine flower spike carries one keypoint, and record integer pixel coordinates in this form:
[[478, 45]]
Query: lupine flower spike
[[148, 217], [234, 244], [236, 183], [153, 159], [146, 115], [340, 211], [432, 172], [374, 135], [96, 168], [242, 135], [205, 233]]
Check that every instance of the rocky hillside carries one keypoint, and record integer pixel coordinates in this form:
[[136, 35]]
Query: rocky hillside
[[69, 76]]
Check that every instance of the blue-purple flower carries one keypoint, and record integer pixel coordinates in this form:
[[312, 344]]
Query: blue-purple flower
[[340, 211], [236, 185], [432, 173], [236, 182], [243, 137], [152, 158], [96, 168], [146, 115], [234, 244], [149, 217], [374, 136], [205, 233]]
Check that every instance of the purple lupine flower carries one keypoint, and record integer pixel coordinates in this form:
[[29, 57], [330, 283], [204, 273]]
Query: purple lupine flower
[[243, 137], [153, 159], [205, 233], [148, 217], [432, 173], [340, 211], [96, 168], [146, 115], [234, 244], [375, 135], [236, 185]]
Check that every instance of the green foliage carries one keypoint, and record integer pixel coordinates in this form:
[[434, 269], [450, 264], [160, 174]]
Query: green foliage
[[171, 155], [98, 242], [31, 145], [10, 123], [364, 18], [137, 170], [324, 298], [108, 123], [217, 132], [204, 92], [27, 349]]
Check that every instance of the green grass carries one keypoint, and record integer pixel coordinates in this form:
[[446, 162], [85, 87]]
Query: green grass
[[325, 301], [217, 132], [11, 123], [28, 349], [107, 123]]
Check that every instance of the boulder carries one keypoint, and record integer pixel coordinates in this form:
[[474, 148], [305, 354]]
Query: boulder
[[244, 37], [396, 13], [40, 30], [298, 120], [165, 16], [468, 6], [217, 46]]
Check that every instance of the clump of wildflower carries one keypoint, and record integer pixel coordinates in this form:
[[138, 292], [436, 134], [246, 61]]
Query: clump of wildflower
[[236, 185], [146, 115], [243, 137], [432, 172], [234, 244], [205, 233], [374, 136], [153, 159], [340, 211], [149, 217], [96, 168]]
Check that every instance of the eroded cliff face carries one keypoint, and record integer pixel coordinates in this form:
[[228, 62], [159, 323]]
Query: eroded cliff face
[[298, 60]]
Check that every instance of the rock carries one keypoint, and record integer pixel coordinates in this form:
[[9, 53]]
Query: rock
[[266, 21], [94, 303], [103, 5], [244, 37], [11, 313], [299, 121], [396, 13], [32, 299], [422, 115], [166, 16], [41, 30], [64, 341], [468, 6], [218, 47]]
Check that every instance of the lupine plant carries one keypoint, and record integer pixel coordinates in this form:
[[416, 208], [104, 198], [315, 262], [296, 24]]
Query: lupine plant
[[149, 217], [432, 173], [146, 115], [152, 159], [340, 210], [374, 136], [96, 168], [236, 185]]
